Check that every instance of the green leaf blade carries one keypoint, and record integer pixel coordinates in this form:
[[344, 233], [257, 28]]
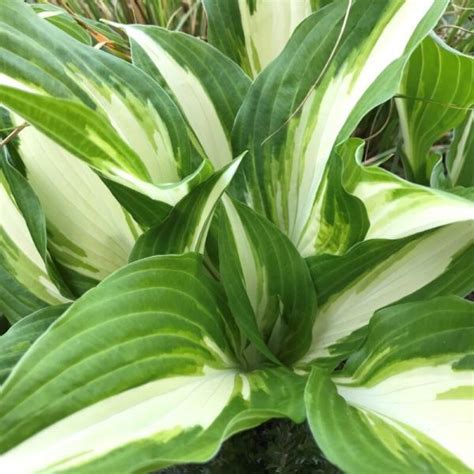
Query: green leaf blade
[[382, 403], [136, 357], [18, 339], [267, 282]]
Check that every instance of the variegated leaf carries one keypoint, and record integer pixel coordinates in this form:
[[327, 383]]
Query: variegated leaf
[[147, 365], [89, 234], [208, 87], [437, 90], [396, 207], [254, 32], [99, 108], [268, 285], [186, 227], [26, 283], [404, 402], [340, 218], [379, 273], [460, 162], [341, 62], [62, 20]]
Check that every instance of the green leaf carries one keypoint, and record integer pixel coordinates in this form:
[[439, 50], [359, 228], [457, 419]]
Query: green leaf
[[340, 63], [208, 87], [145, 211], [28, 204], [459, 162], [139, 367], [379, 273], [267, 283], [403, 403], [186, 227], [438, 89], [26, 283], [254, 32], [398, 208], [18, 339], [62, 20], [101, 109], [16, 301]]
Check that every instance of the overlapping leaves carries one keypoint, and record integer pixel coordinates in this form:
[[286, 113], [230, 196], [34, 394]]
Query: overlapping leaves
[[319, 258], [404, 400], [437, 92]]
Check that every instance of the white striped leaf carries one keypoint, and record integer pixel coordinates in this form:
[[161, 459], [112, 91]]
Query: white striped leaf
[[340, 218], [254, 32], [100, 108], [208, 87], [404, 402], [26, 279], [89, 234], [185, 229], [379, 273], [139, 367], [268, 285], [341, 62], [397, 208], [459, 162], [69, 123], [438, 84]]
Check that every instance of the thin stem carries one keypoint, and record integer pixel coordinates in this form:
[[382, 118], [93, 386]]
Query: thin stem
[[424, 99], [172, 17], [211, 268], [187, 15], [385, 124], [460, 28], [325, 67], [13, 134], [380, 157], [470, 9]]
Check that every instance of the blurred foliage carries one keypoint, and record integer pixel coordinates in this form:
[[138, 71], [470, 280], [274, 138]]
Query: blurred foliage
[[457, 24], [183, 15]]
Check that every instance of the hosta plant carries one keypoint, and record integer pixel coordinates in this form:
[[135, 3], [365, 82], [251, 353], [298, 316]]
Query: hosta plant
[[191, 245], [437, 95]]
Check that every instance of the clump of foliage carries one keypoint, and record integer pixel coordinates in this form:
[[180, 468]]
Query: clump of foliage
[[195, 242]]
